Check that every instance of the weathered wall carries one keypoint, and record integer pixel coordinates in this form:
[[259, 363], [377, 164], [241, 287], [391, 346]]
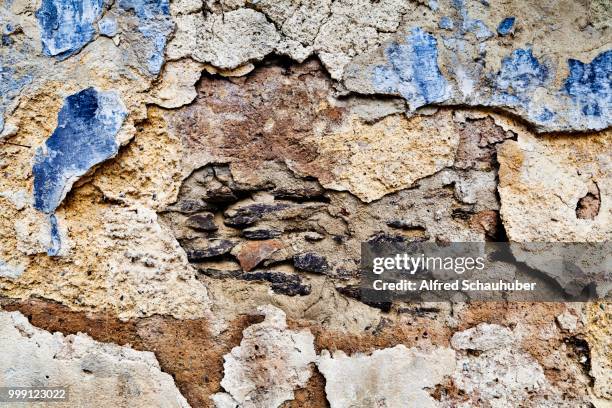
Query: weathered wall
[[186, 185]]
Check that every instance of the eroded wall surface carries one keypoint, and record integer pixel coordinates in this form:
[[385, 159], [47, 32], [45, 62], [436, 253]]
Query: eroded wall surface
[[186, 185]]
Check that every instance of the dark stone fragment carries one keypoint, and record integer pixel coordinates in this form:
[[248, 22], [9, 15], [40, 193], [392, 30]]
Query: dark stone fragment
[[202, 222], [253, 233], [403, 224], [214, 248], [313, 236], [303, 194], [338, 239], [462, 214], [188, 206], [310, 262], [221, 194], [354, 292], [249, 214], [282, 283], [419, 311], [386, 239], [218, 273]]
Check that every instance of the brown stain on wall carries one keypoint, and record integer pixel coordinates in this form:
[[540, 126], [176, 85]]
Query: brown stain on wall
[[268, 115], [185, 349]]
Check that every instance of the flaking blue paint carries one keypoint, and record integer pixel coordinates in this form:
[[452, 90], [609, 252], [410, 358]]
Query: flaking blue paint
[[521, 73], [545, 115], [155, 25], [588, 84], [67, 25], [412, 71], [11, 84], [466, 24], [478, 28], [446, 23], [56, 240], [505, 26], [88, 124], [108, 26]]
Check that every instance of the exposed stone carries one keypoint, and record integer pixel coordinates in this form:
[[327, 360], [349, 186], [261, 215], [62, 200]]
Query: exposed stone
[[251, 254], [242, 216], [310, 262], [281, 364], [365, 380], [354, 291], [33, 357], [202, 222], [260, 233], [280, 282], [204, 249]]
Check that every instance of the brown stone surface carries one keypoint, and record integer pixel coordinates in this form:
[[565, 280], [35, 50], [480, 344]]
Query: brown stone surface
[[253, 253]]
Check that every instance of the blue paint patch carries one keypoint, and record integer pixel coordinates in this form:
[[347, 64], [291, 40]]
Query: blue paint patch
[[413, 71], [505, 27], [11, 84], [478, 28], [155, 25], [520, 73], [589, 84], [56, 240], [86, 132], [467, 24], [108, 26], [446, 23], [546, 115], [67, 25]]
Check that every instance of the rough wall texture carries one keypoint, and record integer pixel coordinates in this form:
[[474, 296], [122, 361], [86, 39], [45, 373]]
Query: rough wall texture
[[186, 184]]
